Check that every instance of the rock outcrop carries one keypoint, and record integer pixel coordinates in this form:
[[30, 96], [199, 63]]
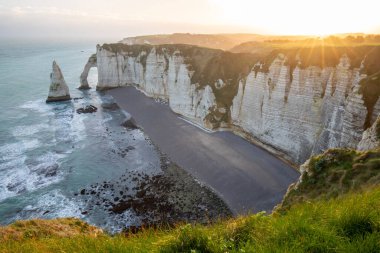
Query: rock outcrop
[[59, 91], [87, 109], [371, 137], [295, 105], [83, 77]]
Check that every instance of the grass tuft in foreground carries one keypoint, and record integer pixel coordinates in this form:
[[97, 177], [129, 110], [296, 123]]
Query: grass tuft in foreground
[[348, 223]]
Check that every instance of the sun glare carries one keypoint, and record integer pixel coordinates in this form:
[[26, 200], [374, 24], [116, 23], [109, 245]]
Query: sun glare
[[302, 17]]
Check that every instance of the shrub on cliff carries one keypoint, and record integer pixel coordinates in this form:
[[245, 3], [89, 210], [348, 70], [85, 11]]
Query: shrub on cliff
[[333, 173]]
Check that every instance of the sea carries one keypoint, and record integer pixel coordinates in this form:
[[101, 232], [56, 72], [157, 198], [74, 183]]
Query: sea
[[49, 153]]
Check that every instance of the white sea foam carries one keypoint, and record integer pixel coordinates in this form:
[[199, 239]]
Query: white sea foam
[[18, 177], [14, 163], [78, 128], [13, 178], [13, 150], [69, 126], [21, 131], [38, 106], [106, 117], [51, 205], [50, 157]]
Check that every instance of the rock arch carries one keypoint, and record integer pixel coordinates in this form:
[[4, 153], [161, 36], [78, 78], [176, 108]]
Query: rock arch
[[92, 62]]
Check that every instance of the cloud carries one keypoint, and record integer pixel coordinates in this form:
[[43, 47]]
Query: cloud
[[120, 18], [111, 22]]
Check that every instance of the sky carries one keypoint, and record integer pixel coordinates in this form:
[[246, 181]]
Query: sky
[[112, 20]]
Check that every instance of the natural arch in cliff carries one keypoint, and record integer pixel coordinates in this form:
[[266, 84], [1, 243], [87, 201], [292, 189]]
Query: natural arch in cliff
[[83, 77]]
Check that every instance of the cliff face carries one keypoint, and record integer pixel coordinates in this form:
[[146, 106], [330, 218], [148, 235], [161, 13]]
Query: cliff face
[[158, 73], [371, 137], [301, 117], [297, 106]]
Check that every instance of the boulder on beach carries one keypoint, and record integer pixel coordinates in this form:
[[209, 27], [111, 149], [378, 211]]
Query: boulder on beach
[[59, 91], [130, 123], [87, 109]]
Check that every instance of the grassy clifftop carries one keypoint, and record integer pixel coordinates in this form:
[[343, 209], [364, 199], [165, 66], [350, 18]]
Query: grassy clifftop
[[350, 223], [336, 172], [335, 208], [58, 228]]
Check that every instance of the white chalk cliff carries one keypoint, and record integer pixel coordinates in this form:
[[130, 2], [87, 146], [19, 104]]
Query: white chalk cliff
[[298, 112], [58, 91], [83, 77], [157, 75], [371, 137], [306, 122]]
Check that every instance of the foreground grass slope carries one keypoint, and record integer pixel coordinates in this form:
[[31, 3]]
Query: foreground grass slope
[[349, 223], [335, 208]]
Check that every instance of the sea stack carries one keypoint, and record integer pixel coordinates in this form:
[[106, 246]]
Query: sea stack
[[59, 91]]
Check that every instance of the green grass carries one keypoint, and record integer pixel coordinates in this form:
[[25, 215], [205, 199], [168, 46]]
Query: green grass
[[333, 173], [349, 223], [30, 229]]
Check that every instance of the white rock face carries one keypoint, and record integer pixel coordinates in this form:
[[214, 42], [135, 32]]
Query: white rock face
[[300, 113], [294, 116], [376, 111], [371, 138], [59, 90], [155, 84], [108, 69], [83, 77], [162, 76]]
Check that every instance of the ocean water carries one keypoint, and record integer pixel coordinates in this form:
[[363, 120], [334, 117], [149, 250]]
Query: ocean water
[[48, 152]]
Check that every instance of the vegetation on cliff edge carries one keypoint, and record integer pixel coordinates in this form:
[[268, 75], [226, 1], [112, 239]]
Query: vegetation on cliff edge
[[350, 223], [336, 172]]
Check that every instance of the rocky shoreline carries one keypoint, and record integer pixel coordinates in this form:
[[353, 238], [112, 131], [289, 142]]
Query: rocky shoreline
[[173, 196], [224, 161]]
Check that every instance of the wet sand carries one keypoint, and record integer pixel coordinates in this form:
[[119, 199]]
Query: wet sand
[[247, 177]]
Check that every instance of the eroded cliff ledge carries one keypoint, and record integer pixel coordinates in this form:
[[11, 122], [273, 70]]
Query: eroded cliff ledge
[[297, 101]]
